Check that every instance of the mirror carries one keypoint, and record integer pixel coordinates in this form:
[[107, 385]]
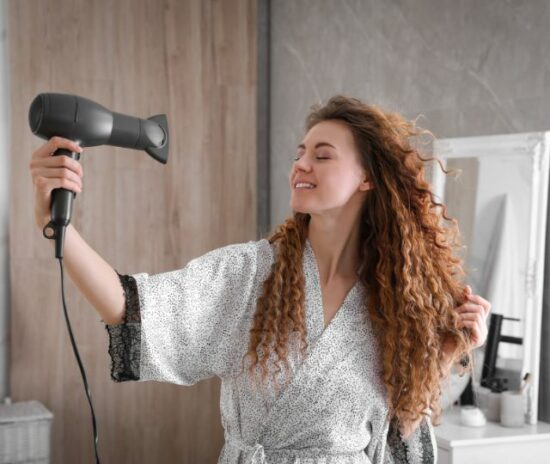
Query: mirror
[[499, 199]]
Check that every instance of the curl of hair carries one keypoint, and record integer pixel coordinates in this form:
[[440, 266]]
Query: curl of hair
[[409, 267]]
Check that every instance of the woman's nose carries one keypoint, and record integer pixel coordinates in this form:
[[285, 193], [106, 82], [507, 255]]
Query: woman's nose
[[303, 164]]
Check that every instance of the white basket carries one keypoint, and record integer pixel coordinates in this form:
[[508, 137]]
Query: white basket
[[25, 433]]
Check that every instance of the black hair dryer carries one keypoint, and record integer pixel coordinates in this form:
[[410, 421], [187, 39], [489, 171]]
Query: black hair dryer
[[89, 124]]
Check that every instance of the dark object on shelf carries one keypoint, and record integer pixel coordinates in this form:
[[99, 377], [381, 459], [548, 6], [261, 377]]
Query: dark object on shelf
[[494, 337]]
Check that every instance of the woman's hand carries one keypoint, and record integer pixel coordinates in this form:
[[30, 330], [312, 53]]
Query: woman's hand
[[51, 172], [473, 315]]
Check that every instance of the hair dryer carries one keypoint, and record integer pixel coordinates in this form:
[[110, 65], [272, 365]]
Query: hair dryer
[[89, 124]]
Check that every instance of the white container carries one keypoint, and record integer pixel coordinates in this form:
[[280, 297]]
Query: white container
[[25, 433], [481, 394], [493, 406], [472, 416], [512, 409]]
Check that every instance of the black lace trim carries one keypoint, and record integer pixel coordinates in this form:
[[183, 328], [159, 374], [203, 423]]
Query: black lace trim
[[399, 449], [428, 456], [129, 285], [125, 338], [396, 446]]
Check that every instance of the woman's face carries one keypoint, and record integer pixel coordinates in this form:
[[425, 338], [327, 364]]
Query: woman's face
[[327, 158]]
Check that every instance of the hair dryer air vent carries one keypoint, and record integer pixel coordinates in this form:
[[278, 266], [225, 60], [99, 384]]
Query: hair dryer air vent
[[35, 113]]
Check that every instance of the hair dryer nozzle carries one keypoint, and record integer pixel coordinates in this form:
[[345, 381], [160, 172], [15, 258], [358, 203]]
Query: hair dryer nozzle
[[160, 152]]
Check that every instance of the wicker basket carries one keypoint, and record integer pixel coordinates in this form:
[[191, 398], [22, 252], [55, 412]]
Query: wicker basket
[[25, 433]]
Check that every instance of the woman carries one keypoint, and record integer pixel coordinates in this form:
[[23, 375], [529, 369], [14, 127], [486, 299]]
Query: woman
[[357, 296]]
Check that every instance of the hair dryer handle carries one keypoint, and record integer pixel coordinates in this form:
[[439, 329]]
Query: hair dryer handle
[[61, 209]]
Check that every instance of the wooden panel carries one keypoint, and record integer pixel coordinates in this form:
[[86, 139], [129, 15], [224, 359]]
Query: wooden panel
[[195, 61]]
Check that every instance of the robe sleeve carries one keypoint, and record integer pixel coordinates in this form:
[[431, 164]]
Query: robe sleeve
[[390, 447], [187, 325]]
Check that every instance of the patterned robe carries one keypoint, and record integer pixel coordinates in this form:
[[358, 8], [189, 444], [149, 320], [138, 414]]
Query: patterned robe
[[191, 324]]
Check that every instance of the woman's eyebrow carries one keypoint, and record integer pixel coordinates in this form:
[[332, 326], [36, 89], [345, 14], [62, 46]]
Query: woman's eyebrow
[[320, 144]]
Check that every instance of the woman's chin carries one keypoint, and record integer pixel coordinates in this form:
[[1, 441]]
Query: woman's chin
[[297, 208]]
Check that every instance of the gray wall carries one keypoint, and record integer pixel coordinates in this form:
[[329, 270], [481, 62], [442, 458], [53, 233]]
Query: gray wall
[[4, 202], [470, 67]]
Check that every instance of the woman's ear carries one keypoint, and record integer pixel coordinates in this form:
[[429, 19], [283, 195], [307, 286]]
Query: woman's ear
[[366, 185]]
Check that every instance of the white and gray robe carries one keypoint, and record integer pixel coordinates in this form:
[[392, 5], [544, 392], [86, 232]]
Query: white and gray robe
[[193, 323]]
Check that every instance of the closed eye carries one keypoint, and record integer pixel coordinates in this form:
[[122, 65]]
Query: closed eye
[[318, 157]]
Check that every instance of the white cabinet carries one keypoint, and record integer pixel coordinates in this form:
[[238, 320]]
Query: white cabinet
[[492, 443]]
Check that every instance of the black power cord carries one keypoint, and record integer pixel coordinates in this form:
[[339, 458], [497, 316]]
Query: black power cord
[[82, 371]]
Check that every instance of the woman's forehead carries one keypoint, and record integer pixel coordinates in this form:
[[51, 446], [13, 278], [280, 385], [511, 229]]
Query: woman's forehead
[[336, 133]]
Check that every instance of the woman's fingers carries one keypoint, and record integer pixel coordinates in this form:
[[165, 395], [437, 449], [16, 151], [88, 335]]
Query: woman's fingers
[[471, 307], [59, 167], [45, 186], [475, 317], [480, 301], [476, 334], [472, 316], [53, 144], [51, 172], [56, 162], [59, 173]]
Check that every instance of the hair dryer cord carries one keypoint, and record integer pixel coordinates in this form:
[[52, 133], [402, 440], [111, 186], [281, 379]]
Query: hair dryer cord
[[82, 371]]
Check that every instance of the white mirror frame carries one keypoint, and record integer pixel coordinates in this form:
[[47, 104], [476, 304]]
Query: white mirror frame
[[536, 146]]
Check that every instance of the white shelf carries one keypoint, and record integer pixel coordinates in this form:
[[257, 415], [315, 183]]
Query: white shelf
[[492, 443]]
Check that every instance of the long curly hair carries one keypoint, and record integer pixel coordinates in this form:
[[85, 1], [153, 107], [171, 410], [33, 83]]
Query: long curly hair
[[409, 268]]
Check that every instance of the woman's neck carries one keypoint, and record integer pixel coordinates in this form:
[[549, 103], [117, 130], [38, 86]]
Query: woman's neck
[[336, 249]]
